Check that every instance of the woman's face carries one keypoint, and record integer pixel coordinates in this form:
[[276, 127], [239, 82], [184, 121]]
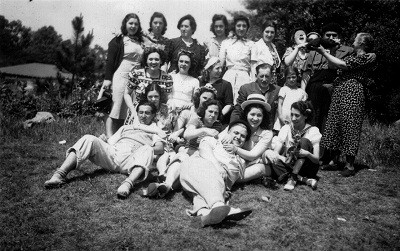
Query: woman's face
[[219, 28], [154, 61], [205, 96], [357, 42], [298, 119], [269, 34], [132, 26], [238, 133], [299, 37], [157, 26], [241, 28], [291, 79], [211, 114], [186, 29], [154, 97], [216, 71], [255, 117], [184, 64]]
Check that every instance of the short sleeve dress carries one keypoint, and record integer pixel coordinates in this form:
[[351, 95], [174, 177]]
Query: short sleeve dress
[[346, 112]]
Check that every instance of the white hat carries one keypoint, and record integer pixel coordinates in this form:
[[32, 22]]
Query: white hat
[[211, 61], [256, 99]]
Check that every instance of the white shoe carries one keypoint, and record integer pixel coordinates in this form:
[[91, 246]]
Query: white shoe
[[290, 185], [312, 183]]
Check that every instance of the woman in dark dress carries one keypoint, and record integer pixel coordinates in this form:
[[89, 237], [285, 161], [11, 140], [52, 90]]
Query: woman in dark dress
[[346, 112]]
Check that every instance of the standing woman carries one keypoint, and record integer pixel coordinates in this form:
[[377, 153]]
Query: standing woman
[[158, 26], [296, 55], [124, 54], [219, 27], [265, 50], [212, 75], [346, 112], [187, 25], [235, 55]]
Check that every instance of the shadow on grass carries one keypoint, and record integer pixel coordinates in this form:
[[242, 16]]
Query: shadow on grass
[[87, 176]]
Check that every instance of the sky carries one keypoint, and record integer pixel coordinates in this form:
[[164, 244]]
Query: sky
[[104, 17]]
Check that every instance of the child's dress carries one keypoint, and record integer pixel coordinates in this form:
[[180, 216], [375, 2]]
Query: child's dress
[[289, 96]]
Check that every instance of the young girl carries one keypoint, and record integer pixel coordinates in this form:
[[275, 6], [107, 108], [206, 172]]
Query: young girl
[[288, 94]]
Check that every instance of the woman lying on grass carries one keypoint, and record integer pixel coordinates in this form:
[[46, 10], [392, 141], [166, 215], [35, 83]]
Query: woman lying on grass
[[129, 151], [296, 149], [209, 175]]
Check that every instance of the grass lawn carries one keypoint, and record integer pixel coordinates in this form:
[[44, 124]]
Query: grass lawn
[[360, 212]]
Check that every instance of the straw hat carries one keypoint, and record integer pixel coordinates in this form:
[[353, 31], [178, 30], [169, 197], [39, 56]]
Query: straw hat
[[211, 61], [256, 99]]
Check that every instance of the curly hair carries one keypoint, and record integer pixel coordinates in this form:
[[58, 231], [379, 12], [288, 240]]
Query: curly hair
[[240, 18], [192, 22], [292, 39], [192, 61], [306, 109], [124, 31], [148, 51], [220, 17], [158, 15], [201, 90], [367, 40], [201, 111], [265, 119]]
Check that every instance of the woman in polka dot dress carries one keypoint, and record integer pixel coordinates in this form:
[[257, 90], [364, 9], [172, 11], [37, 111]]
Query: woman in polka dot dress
[[346, 112]]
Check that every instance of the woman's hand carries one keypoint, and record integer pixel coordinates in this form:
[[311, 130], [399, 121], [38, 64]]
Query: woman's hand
[[225, 138], [231, 148], [301, 45], [320, 49], [103, 137], [162, 134], [106, 84], [173, 137], [210, 132], [186, 107], [271, 156], [302, 153]]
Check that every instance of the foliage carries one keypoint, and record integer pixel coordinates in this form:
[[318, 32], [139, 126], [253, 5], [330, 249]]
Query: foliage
[[75, 54], [353, 16]]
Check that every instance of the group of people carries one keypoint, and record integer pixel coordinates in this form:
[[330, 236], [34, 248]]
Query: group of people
[[209, 116]]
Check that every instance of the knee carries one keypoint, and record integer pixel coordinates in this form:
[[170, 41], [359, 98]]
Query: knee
[[306, 144], [89, 138]]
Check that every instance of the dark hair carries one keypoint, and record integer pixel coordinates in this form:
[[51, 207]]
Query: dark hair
[[220, 17], [331, 27], [201, 111], [192, 22], [292, 69], [268, 23], [192, 62], [367, 40], [196, 96], [243, 122], [305, 108], [265, 120], [294, 32], [148, 51], [124, 31], [240, 18], [154, 87], [145, 102], [263, 66], [158, 15]]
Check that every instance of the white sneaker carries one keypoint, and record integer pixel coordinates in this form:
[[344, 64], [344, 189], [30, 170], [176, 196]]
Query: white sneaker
[[290, 185], [312, 183]]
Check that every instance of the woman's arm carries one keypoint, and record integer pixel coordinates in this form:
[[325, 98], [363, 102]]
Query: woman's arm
[[226, 109], [257, 150], [332, 59], [314, 157], [158, 148], [280, 102], [289, 59], [192, 132]]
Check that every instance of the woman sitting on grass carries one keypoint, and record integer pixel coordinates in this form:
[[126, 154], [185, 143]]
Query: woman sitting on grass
[[205, 123], [296, 149], [129, 151], [208, 177]]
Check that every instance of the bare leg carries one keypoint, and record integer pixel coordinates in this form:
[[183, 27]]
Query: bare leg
[[60, 175], [350, 162], [125, 188], [253, 172]]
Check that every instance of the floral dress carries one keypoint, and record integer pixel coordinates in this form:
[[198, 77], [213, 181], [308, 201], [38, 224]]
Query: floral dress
[[346, 112]]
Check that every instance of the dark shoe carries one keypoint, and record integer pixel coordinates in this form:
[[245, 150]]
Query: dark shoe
[[161, 178], [238, 214], [151, 190], [329, 167], [347, 172], [312, 183], [162, 189], [269, 182], [216, 215]]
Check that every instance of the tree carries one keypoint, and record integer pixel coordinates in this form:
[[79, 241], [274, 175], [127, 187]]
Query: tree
[[75, 54], [44, 45]]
